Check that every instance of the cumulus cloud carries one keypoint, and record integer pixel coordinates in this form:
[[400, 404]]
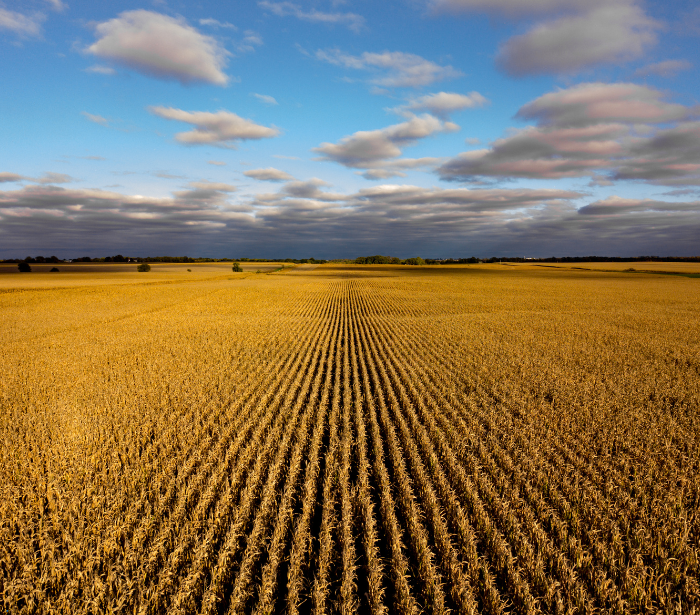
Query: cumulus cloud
[[222, 128], [365, 148], [203, 192], [476, 200], [310, 189], [10, 177], [511, 8], [396, 69], [216, 163], [670, 157], [97, 218], [264, 98], [54, 178], [46, 178], [385, 169], [437, 222], [21, 24], [567, 35], [209, 219], [589, 130], [283, 9], [536, 153], [382, 174], [667, 68], [269, 174], [443, 104], [608, 34], [162, 47], [402, 213], [595, 103]]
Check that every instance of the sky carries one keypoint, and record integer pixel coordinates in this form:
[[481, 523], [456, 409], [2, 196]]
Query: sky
[[340, 128]]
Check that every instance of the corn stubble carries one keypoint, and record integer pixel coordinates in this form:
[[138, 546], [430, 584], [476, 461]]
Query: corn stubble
[[353, 439]]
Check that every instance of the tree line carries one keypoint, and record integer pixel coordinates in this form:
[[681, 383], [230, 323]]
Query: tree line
[[376, 259]]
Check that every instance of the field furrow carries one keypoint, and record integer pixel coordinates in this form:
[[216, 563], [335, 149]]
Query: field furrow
[[354, 439]]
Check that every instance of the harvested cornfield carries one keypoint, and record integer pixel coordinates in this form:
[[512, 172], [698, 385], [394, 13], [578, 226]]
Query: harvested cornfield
[[482, 439]]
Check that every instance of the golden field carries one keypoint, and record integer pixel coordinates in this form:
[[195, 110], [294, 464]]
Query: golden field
[[386, 439]]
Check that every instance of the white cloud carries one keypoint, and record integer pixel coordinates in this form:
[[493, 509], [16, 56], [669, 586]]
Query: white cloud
[[217, 186], [399, 219], [10, 177], [54, 178], [283, 9], [668, 157], [250, 41], [443, 104], [161, 46], [215, 23], [309, 189], [220, 128], [21, 24], [97, 119], [96, 214], [668, 68], [615, 33], [400, 70], [268, 100], [216, 163], [57, 5], [595, 103], [569, 35], [384, 169], [46, 178], [270, 174], [365, 148], [510, 8], [381, 173], [603, 131], [100, 70], [490, 199]]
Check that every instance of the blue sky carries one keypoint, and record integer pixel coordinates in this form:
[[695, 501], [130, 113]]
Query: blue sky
[[440, 128]]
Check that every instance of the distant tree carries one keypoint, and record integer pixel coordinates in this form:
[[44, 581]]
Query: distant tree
[[236, 267], [377, 259], [24, 267], [414, 261], [143, 267]]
